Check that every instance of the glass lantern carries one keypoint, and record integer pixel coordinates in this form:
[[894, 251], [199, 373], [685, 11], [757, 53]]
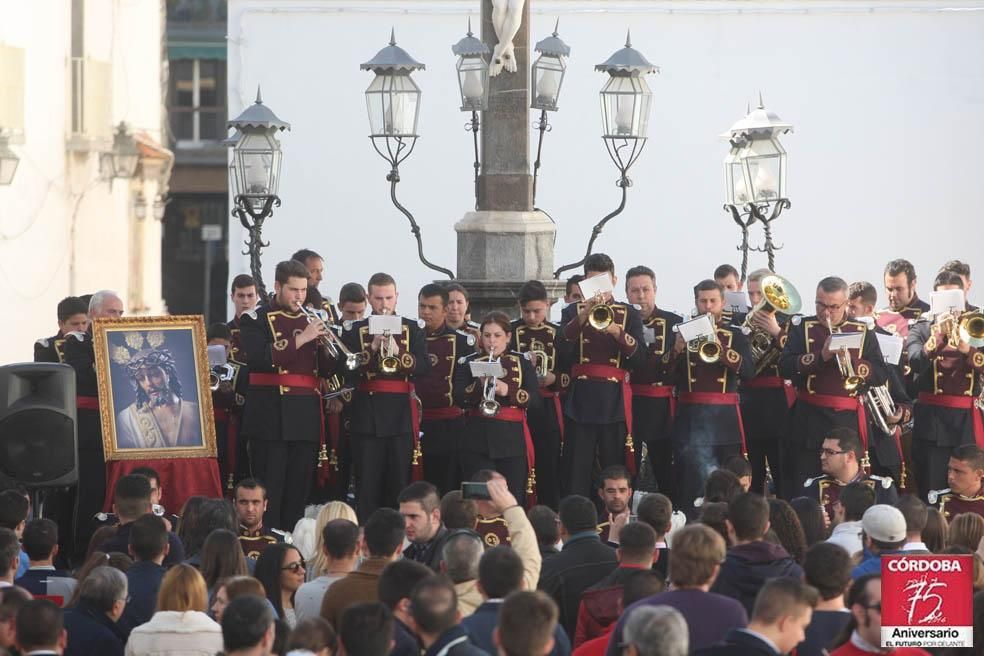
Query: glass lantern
[[393, 101], [548, 76], [625, 106], [122, 160], [256, 160]]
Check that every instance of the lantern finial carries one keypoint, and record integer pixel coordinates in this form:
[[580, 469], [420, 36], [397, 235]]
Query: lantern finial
[[628, 38], [392, 36], [259, 98], [556, 26], [469, 27], [761, 103]]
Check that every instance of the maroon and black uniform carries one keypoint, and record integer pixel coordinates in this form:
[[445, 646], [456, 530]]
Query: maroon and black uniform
[[494, 531], [653, 402], [913, 311], [945, 415], [952, 504], [502, 442], [282, 417], [826, 489], [598, 408], [546, 419], [255, 541], [240, 459], [443, 422], [383, 415], [50, 349], [707, 428], [822, 402]]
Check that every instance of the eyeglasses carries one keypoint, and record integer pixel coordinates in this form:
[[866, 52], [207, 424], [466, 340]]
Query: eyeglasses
[[295, 566], [874, 607], [831, 452], [830, 308]]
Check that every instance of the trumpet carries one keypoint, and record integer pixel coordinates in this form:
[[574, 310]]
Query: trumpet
[[707, 347], [388, 363], [970, 329], [331, 341], [541, 363], [220, 373], [852, 382], [489, 407], [880, 406], [778, 296], [601, 316]]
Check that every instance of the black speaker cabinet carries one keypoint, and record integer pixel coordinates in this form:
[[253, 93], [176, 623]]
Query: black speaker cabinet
[[38, 439]]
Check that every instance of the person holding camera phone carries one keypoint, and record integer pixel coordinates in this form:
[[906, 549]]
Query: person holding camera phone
[[496, 435]]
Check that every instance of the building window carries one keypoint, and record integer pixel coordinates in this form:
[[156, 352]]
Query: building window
[[197, 107]]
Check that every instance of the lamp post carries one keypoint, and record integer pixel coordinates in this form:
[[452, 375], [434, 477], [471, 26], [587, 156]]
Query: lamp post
[[473, 82], [122, 160], [626, 104], [547, 78], [755, 177], [393, 103], [255, 176]]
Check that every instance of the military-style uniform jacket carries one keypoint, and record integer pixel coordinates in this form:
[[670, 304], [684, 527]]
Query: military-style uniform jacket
[[542, 338], [494, 531], [952, 504], [651, 415], [254, 542], [915, 309], [592, 400], [50, 349], [384, 414], [436, 389], [236, 352], [80, 356], [942, 370], [497, 438], [826, 489], [281, 411], [764, 401]]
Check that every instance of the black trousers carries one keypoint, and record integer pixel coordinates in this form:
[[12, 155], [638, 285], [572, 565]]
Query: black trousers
[[91, 493], [287, 469], [694, 464], [443, 470], [586, 444], [440, 445], [930, 462], [382, 470], [545, 431], [512, 469], [660, 454]]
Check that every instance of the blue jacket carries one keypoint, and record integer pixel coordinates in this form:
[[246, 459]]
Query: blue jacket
[[143, 583], [870, 563], [91, 632], [485, 618], [455, 642]]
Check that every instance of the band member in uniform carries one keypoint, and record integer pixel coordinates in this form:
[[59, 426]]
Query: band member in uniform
[[598, 408], [900, 285], [948, 375], [615, 494], [315, 266], [459, 310], [228, 398], [572, 293], [826, 395], [244, 300], [533, 335], [496, 434], [251, 501], [351, 302], [840, 462], [443, 422], [91, 488], [727, 276], [282, 418], [962, 269], [72, 317], [383, 413], [653, 404], [707, 428], [965, 476]]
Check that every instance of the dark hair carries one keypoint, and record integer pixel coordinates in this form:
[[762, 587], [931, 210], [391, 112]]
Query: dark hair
[[222, 557], [856, 498], [598, 263], [304, 255], [847, 440], [786, 524], [245, 622], [457, 287], [13, 508], [827, 567], [398, 579], [250, 484], [384, 532], [714, 515], [858, 595], [972, 454], [725, 270], [749, 516], [573, 281], [148, 537], [577, 514], [434, 605], [366, 629], [832, 284], [380, 280], [12, 599], [708, 286], [948, 278], [351, 292], [722, 485], [641, 584], [340, 538], [640, 271], [189, 517], [865, 290], [69, 306], [935, 534], [895, 267], [811, 517], [780, 597], [213, 514], [527, 622], [914, 511], [313, 634], [738, 465], [290, 269], [544, 521], [457, 512], [241, 281], [614, 473], [132, 496], [432, 289], [532, 290], [39, 624], [422, 492], [9, 549], [40, 538], [637, 541], [958, 267], [267, 571], [218, 330], [498, 318], [657, 511], [500, 572], [313, 297], [149, 472]]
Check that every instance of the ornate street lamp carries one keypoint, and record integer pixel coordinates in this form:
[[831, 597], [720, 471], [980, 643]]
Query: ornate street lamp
[[8, 161], [547, 77], [122, 160], [473, 82], [393, 102], [255, 176], [755, 177], [626, 103]]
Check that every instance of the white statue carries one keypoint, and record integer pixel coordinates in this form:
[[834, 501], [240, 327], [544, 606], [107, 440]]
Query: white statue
[[507, 16]]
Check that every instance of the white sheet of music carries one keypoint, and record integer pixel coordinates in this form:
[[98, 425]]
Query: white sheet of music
[[846, 340], [702, 326], [947, 300], [891, 347], [380, 324], [484, 368], [736, 301], [595, 285]]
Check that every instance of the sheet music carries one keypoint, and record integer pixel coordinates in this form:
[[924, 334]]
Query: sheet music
[[691, 330], [483, 368], [891, 347], [846, 340], [595, 285], [736, 301], [380, 324]]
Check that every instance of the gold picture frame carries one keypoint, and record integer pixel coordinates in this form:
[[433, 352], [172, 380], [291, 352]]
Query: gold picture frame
[[154, 395]]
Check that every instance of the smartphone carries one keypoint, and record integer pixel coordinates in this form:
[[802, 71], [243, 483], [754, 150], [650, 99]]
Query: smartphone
[[633, 518], [475, 490]]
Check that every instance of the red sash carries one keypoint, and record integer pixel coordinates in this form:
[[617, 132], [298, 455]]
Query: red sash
[[302, 381], [718, 398], [656, 392], [958, 403], [772, 382], [832, 402], [518, 416], [232, 431], [87, 402], [441, 414], [402, 387], [555, 396], [607, 373]]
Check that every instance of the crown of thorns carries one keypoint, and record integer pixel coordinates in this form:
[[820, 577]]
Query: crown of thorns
[[142, 350]]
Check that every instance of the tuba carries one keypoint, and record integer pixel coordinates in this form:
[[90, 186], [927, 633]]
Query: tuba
[[778, 296], [489, 407]]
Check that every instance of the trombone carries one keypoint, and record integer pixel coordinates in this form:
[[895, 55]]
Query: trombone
[[331, 341], [852, 382], [489, 407]]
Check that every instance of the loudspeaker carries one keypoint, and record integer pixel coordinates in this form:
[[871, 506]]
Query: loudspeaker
[[38, 436]]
